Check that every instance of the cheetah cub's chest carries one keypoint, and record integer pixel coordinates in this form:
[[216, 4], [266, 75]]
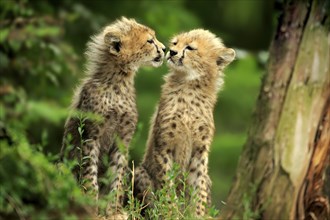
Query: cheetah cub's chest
[[185, 120]]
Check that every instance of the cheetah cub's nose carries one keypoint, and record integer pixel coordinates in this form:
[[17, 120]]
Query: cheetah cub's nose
[[173, 53]]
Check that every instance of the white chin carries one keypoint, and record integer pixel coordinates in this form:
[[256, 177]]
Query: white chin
[[172, 65], [156, 64]]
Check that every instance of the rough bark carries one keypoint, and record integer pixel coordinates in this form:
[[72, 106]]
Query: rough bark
[[284, 167]]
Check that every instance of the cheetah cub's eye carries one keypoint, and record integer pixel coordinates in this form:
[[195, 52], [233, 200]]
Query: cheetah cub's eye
[[174, 43], [150, 41], [190, 48]]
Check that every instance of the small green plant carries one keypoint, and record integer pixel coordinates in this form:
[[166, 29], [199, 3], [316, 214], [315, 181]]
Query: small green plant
[[249, 212], [213, 212], [176, 200], [134, 206], [246, 202], [82, 159], [170, 202]]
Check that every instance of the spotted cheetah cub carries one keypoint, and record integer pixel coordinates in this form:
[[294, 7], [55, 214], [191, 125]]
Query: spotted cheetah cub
[[182, 128], [113, 57]]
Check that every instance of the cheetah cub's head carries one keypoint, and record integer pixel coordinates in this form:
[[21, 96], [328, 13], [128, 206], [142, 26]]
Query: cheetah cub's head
[[198, 52], [131, 43]]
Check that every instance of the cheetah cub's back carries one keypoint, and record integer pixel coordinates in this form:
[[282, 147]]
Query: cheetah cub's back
[[182, 128]]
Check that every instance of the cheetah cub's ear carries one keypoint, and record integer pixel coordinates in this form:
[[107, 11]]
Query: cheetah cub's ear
[[227, 55], [114, 43]]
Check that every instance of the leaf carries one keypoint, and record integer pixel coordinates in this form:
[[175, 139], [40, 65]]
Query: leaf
[[121, 146], [55, 49], [86, 158], [3, 34], [36, 110], [80, 130], [4, 61], [83, 163], [52, 78], [43, 31], [15, 45]]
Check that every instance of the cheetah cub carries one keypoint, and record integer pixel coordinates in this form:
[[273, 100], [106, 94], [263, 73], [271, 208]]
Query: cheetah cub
[[113, 57], [182, 127]]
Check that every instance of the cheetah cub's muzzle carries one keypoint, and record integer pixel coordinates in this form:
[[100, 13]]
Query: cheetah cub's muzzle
[[160, 48], [172, 59]]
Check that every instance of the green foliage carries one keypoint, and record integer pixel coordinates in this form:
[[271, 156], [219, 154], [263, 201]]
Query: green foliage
[[31, 185], [176, 200], [37, 71], [34, 64], [168, 202], [33, 54]]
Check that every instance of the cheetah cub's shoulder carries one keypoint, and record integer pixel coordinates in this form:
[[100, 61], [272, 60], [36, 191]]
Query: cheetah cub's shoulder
[[182, 128], [113, 57]]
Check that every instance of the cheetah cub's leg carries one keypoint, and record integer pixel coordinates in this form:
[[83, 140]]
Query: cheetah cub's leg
[[143, 186], [119, 167], [88, 179], [199, 179], [163, 164]]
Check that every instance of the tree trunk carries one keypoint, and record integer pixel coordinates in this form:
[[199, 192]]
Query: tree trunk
[[284, 169]]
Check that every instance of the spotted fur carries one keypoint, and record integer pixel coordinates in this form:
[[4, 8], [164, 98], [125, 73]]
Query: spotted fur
[[113, 57], [182, 128]]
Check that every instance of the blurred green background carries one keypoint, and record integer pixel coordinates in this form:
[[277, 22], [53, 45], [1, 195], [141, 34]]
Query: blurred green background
[[41, 62]]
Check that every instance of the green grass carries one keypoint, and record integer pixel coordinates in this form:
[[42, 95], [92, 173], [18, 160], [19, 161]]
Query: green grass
[[39, 189]]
